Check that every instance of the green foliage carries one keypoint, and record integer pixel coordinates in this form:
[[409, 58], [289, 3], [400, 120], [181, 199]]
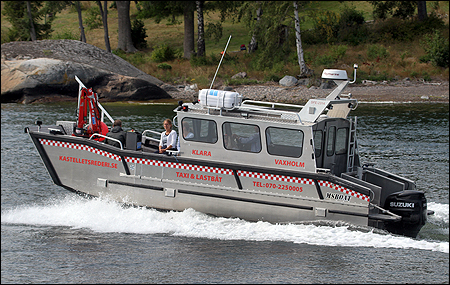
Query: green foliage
[[437, 48], [138, 34], [199, 61], [397, 9], [213, 31], [94, 18], [164, 66], [16, 13], [326, 60], [377, 52], [326, 26], [163, 53], [351, 28], [338, 51], [136, 58]]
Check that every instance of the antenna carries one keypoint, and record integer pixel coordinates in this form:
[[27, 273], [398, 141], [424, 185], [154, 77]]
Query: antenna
[[223, 54]]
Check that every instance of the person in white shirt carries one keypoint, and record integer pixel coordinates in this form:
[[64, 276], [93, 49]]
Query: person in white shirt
[[168, 138]]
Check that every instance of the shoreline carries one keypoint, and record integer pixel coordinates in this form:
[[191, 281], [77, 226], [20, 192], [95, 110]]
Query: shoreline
[[409, 92], [404, 92]]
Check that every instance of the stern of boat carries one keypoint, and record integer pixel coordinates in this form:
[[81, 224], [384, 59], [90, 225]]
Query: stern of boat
[[396, 205]]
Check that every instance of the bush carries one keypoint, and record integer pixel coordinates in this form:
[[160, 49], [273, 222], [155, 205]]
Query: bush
[[138, 34], [164, 66], [351, 28], [163, 53], [376, 52], [326, 60], [437, 49], [94, 19], [338, 52]]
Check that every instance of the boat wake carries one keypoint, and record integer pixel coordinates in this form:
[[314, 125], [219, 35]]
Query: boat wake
[[105, 216]]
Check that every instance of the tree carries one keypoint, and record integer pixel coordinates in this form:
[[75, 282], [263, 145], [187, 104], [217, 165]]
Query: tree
[[170, 10], [80, 22], [200, 29], [253, 45], [26, 18], [304, 70], [104, 13], [125, 42], [30, 18], [422, 10], [188, 43]]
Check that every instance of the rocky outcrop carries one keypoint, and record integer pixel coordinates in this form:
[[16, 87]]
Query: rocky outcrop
[[47, 68]]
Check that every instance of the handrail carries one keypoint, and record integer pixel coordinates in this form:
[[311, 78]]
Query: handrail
[[273, 111], [151, 131], [104, 112], [272, 103], [109, 138]]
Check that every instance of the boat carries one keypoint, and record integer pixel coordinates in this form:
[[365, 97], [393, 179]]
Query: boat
[[255, 160]]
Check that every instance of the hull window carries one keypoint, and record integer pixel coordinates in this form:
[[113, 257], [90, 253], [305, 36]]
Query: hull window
[[284, 142]]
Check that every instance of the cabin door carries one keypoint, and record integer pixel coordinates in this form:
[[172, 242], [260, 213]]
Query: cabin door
[[335, 141]]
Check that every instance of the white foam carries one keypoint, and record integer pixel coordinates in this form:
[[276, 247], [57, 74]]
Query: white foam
[[105, 216], [440, 212]]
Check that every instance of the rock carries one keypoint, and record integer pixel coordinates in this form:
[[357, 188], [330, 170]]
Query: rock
[[327, 85], [37, 69], [367, 82], [239, 75], [191, 87], [288, 81], [227, 88], [303, 81]]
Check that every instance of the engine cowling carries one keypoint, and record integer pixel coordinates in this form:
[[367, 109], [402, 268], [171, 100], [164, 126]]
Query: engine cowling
[[411, 205]]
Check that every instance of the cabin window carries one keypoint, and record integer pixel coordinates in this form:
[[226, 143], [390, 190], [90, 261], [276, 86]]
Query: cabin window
[[341, 140], [199, 130], [330, 141], [318, 136], [284, 142], [241, 137]]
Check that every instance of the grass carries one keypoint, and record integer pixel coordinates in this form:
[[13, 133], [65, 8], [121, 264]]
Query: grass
[[402, 60]]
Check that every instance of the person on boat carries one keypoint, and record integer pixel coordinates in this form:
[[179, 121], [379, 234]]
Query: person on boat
[[168, 139], [253, 140], [118, 133], [187, 132]]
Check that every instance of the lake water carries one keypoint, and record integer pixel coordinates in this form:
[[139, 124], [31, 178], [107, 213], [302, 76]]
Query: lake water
[[51, 235]]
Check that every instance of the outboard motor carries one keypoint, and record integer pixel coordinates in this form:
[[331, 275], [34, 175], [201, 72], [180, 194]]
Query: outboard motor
[[411, 205]]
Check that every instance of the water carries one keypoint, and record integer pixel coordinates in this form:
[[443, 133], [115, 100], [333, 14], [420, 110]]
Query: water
[[50, 235]]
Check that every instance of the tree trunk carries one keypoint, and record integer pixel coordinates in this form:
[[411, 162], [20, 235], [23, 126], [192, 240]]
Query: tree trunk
[[32, 30], [253, 45], [125, 42], [104, 13], [188, 44], [201, 29], [80, 23], [422, 10], [304, 70]]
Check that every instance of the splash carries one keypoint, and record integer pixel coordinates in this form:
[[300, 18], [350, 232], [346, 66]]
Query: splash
[[106, 216]]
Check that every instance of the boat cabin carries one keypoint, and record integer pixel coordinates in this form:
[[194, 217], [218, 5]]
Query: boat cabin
[[316, 137]]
